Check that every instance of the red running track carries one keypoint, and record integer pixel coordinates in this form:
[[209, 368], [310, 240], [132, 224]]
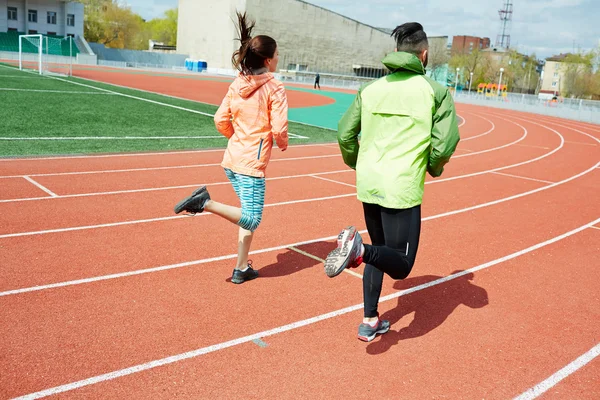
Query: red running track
[[106, 293]]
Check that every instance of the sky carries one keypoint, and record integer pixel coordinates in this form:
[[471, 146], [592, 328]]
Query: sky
[[543, 27]]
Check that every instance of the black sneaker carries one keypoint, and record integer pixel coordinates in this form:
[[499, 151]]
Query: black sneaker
[[242, 276], [194, 203], [366, 332]]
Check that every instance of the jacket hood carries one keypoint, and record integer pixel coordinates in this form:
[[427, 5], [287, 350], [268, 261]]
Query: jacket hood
[[399, 61], [248, 84]]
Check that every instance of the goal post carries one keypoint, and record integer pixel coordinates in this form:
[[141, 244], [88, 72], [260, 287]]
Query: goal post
[[44, 54], [31, 41]]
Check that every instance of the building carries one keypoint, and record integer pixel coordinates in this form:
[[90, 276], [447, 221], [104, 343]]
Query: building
[[553, 75], [47, 17], [309, 38], [466, 44]]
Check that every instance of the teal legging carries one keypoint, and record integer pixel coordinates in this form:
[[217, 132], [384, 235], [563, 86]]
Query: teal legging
[[251, 192]]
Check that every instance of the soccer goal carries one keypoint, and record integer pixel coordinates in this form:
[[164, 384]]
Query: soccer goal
[[45, 54]]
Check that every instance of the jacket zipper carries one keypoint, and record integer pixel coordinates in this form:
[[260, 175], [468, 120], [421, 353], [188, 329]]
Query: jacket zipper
[[259, 148]]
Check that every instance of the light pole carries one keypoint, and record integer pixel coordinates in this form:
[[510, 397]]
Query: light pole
[[456, 81], [470, 82], [500, 82]]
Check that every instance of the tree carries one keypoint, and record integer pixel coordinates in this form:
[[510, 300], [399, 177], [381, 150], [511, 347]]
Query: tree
[[114, 24], [437, 56], [165, 29], [578, 77]]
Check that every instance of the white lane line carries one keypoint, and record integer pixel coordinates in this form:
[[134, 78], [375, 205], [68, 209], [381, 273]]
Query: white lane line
[[306, 254], [142, 221], [481, 134], [230, 256], [295, 325], [495, 148], [45, 189], [51, 91], [562, 143], [553, 380], [521, 177], [116, 155], [67, 196], [112, 171], [333, 181]]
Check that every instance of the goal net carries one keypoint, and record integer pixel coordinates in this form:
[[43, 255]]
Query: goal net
[[46, 55]]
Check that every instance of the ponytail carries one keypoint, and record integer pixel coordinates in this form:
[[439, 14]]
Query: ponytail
[[253, 51]]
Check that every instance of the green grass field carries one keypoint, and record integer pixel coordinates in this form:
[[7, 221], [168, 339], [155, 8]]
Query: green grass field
[[44, 115]]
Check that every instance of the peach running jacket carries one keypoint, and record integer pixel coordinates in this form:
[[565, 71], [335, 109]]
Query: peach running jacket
[[252, 114]]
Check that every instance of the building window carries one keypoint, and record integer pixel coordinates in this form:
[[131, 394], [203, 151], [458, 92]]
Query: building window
[[12, 29], [12, 13], [553, 84], [51, 18], [70, 19], [32, 17], [51, 33], [32, 32], [556, 74]]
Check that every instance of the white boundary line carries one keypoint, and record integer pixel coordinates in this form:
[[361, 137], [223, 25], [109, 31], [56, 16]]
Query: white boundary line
[[595, 227], [113, 224], [67, 196], [148, 153], [295, 325], [45, 189], [51, 91], [521, 177], [572, 367], [230, 256], [112, 171], [494, 148], [482, 134]]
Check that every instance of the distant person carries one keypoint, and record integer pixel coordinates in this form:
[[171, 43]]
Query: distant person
[[317, 79], [253, 114], [408, 127]]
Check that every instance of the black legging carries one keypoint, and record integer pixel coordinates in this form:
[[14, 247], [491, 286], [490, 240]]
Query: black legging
[[395, 240]]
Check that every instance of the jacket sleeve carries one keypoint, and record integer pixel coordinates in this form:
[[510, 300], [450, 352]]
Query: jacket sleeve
[[279, 117], [348, 129], [222, 117], [444, 135]]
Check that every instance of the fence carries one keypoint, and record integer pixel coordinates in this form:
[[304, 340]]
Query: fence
[[576, 109]]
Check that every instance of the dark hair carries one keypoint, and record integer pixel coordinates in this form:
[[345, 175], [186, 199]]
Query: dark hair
[[253, 51], [410, 38]]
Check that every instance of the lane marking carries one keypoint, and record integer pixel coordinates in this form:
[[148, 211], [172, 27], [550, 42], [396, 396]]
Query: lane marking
[[333, 181], [521, 177], [141, 221], [111, 171], [554, 379], [45, 189]]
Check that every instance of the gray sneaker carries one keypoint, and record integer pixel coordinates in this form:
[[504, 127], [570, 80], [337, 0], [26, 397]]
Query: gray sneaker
[[238, 276], [366, 332], [347, 253], [194, 203]]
